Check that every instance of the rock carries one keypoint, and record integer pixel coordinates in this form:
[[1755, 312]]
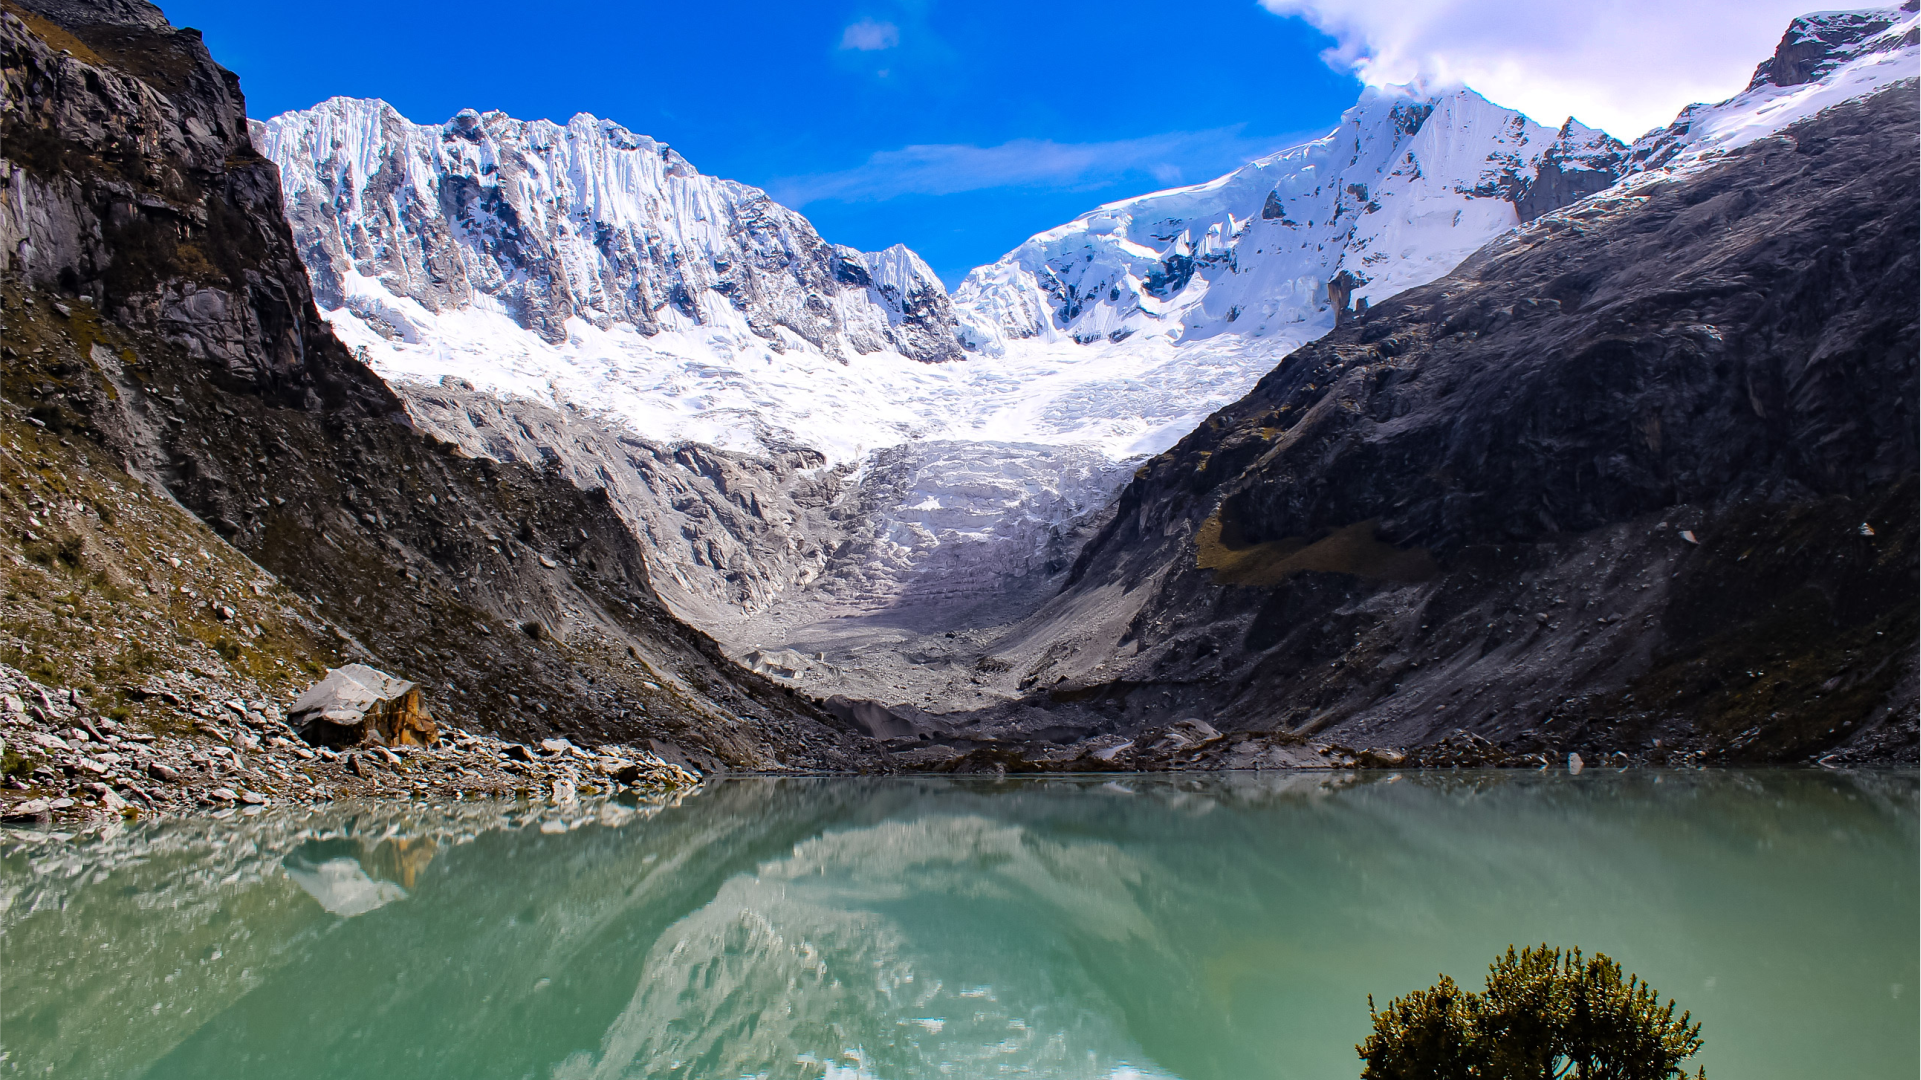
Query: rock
[[627, 773], [62, 803], [223, 794], [1380, 759], [556, 746], [1575, 764], [31, 810], [355, 704], [519, 752], [1183, 735], [253, 798], [355, 767], [563, 790], [1197, 732]]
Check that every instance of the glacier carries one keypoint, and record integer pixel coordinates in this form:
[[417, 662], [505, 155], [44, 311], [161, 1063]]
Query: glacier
[[805, 432]]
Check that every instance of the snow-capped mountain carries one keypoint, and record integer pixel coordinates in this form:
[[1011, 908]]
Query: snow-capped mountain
[[545, 223], [1398, 195], [756, 399]]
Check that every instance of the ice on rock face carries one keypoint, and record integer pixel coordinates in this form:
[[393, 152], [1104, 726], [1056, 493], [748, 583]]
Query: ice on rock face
[[1405, 188], [545, 223], [1823, 60]]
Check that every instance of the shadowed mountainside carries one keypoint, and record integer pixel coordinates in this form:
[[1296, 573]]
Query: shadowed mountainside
[[165, 324]]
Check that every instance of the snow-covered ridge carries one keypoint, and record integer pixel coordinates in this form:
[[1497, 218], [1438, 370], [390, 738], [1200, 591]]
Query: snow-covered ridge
[[544, 223], [1406, 187], [589, 266], [1824, 59]]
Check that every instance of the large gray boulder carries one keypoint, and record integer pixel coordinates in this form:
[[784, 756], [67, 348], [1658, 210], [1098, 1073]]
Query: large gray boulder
[[359, 704]]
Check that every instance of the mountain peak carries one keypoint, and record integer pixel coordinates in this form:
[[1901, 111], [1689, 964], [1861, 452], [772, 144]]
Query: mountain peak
[[1408, 184], [545, 223]]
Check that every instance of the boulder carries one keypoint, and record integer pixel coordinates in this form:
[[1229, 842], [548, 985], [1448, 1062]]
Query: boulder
[[28, 812], [358, 704]]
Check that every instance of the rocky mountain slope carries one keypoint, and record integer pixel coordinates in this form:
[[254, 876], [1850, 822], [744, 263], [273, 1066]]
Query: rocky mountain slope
[[166, 362], [1639, 478]]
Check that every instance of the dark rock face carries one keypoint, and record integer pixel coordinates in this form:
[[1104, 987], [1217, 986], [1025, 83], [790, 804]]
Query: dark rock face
[[1639, 477], [1581, 162], [1817, 44], [145, 235]]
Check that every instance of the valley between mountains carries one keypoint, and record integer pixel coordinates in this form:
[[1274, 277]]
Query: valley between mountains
[[1451, 438]]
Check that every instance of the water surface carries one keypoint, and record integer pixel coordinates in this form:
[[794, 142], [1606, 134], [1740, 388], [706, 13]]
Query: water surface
[[1194, 927]]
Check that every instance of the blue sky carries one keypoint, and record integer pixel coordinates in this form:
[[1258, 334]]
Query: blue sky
[[956, 128]]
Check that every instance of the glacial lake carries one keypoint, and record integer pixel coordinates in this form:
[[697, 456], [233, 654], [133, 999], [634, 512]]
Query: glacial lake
[[1203, 927]]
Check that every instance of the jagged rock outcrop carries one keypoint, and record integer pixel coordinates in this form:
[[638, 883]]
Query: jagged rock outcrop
[[148, 256], [1818, 44], [588, 220]]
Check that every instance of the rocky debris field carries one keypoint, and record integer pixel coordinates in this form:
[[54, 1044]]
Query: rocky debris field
[[64, 760]]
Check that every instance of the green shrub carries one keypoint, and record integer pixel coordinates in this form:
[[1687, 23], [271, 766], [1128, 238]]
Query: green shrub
[[1545, 1015], [16, 764]]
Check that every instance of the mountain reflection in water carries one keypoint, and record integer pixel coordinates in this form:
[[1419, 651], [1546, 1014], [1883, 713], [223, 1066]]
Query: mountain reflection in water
[[1201, 927]]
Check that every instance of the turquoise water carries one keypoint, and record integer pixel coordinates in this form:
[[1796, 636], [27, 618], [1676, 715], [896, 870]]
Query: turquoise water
[[1198, 927]]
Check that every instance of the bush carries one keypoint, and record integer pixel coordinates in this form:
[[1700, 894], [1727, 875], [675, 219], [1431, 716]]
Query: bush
[[1543, 1016]]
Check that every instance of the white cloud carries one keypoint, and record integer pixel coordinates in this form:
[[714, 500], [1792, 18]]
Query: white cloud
[[869, 36], [1622, 65], [949, 168]]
